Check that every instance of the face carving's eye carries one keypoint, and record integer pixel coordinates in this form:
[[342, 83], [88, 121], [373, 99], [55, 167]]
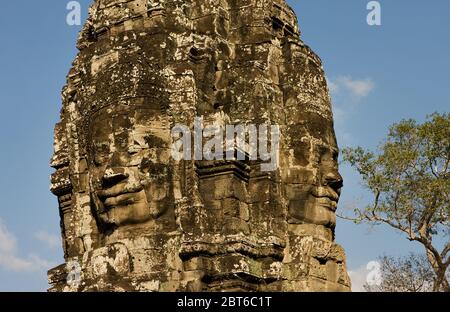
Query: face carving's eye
[[328, 156], [101, 153], [135, 148], [324, 154], [335, 156], [102, 148]]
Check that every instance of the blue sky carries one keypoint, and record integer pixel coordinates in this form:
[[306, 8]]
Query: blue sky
[[379, 75]]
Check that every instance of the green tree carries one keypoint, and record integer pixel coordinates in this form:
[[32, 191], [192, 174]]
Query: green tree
[[409, 178]]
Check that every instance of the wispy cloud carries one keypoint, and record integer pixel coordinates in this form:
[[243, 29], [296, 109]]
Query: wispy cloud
[[51, 240], [333, 86], [359, 278], [369, 274], [358, 88], [10, 260], [347, 94]]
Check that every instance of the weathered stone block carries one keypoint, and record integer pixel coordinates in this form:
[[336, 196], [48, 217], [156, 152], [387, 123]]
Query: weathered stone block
[[133, 217]]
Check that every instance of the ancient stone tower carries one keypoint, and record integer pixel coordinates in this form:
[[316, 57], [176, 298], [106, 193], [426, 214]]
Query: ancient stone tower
[[135, 218]]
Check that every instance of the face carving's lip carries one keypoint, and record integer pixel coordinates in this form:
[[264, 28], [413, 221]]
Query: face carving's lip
[[120, 200], [118, 190], [326, 197], [120, 195], [328, 202]]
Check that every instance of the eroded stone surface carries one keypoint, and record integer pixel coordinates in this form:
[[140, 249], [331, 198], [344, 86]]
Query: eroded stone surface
[[133, 218]]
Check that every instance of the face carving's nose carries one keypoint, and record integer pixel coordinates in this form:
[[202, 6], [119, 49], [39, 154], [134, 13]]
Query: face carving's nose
[[113, 176], [334, 180]]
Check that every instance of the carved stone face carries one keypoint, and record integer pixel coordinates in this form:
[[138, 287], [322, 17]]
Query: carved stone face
[[321, 198], [128, 157], [314, 200]]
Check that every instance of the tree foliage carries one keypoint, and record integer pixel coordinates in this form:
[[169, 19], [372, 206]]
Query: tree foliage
[[409, 178], [412, 273]]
